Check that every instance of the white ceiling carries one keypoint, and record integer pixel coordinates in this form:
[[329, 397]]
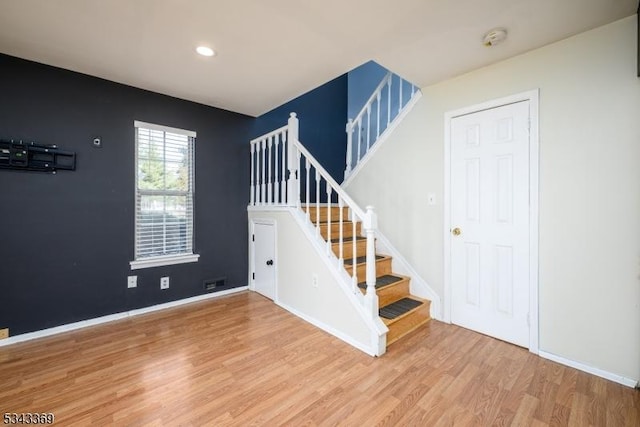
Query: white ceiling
[[270, 51]]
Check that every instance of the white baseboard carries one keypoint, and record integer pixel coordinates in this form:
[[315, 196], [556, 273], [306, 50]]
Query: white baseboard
[[321, 325], [112, 317], [589, 369]]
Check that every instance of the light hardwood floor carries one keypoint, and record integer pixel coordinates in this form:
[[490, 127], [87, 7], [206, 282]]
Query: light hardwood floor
[[241, 360]]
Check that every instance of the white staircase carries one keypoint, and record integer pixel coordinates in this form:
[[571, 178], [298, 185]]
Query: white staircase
[[285, 177]]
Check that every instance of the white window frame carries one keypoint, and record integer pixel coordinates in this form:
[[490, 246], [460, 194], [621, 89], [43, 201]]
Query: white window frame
[[163, 260]]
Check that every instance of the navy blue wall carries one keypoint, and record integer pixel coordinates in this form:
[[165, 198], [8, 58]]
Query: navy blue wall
[[363, 80], [323, 116], [66, 239]]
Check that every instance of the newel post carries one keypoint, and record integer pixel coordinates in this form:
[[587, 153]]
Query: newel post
[[347, 171], [293, 193], [370, 224]]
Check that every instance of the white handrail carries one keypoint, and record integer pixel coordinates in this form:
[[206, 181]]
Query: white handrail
[[359, 212], [368, 218], [374, 95], [270, 134], [267, 150]]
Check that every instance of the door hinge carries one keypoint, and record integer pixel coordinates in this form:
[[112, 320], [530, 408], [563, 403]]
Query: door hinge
[[529, 124], [254, 276], [528, 320], [253, 238]]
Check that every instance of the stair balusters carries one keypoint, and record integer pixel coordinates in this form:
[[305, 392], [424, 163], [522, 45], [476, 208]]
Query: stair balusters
[[368, 126], [278, 160], [293, 160], [370, 225], [268, 183]]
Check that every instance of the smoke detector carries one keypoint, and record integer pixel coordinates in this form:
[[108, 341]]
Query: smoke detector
[[495, 36]]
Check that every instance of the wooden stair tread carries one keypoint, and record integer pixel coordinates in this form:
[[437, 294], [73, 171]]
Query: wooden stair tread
[[324, 213], [409, 321], [393, 289], [348, 239], [313, 207], [413, 297], [363, 259], [399, 308], [384, 281]]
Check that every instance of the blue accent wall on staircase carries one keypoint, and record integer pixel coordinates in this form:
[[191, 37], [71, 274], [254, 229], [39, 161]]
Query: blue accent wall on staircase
[[323, 117], [362, 81]]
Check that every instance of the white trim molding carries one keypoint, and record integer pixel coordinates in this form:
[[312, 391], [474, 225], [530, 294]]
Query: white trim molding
[[117, 316], [532, 97], [161, 128], [589, 369], [163, 260]]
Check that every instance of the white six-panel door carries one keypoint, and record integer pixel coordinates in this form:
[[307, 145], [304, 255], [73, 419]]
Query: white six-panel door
[[489, 198]]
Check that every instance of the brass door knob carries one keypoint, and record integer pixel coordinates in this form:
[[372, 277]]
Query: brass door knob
[[456, 231]]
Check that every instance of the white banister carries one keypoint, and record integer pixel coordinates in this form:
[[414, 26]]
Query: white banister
[[252, 190], [276, 184], [263, 185], [370, 225], [394, 101], [354, 276], [368, 127], [400, 94], [341, 233], [349, 131], [328, 220], [317, 202], [389, 103], [359, 139], [270, 181], [307, 185], [378, 115], [292, 163], [272, 186], [268, 189]]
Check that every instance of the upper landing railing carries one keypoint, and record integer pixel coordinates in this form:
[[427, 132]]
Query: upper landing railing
[[382, 108]]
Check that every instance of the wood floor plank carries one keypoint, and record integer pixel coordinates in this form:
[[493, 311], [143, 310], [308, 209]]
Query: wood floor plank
[[242, 360]]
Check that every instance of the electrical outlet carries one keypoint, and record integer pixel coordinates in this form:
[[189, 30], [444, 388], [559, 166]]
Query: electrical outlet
[[132, 282], [4, 333], [314, 280], [164, 282]]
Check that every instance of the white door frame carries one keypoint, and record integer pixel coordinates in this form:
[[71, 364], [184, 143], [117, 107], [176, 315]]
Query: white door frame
[[252, 254], [531, 96]]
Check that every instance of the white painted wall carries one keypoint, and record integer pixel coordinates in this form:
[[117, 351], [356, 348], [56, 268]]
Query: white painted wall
[[327, 306], [589, 188]]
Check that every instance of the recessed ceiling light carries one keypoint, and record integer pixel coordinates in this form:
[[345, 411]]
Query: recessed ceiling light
[[205, 51]]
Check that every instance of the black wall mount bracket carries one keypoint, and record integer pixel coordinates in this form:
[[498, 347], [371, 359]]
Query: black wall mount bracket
[[31, 156]]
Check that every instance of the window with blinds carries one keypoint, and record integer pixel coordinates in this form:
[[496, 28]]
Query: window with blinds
[[164, 195]]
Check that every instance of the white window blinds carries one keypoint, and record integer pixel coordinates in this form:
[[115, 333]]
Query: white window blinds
[[164, 191]]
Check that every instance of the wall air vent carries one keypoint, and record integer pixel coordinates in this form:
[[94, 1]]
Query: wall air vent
[[213, 284]]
